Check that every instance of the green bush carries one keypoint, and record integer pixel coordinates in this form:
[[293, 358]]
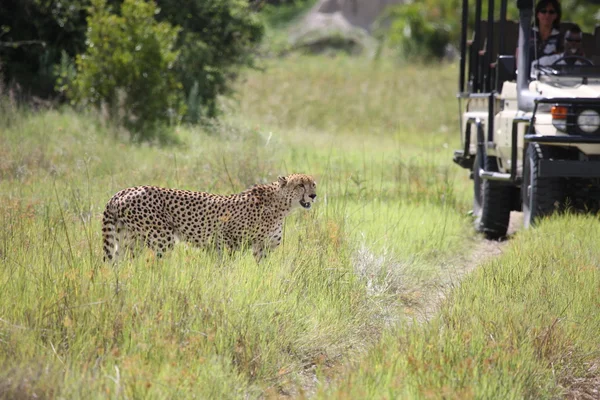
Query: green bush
[[128, 66], [217, 38], [33, 36], [40, 39], [419, 30], [423, 30]]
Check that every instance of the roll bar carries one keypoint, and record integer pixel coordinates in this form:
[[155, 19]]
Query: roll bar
[[480, 70], [525, 98]]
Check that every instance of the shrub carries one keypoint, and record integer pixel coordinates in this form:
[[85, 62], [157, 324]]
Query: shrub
[[39, 39], [33, 35], [424, 29], [217, 38], [420, 31], [128, 66]]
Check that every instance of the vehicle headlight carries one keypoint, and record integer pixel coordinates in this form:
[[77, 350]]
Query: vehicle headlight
[[588, 121]]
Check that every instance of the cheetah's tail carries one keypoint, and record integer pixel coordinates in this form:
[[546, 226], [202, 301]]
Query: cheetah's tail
[[109, 234]]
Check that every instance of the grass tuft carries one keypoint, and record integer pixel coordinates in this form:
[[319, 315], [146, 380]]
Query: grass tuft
[[353, 275], [519, 327]]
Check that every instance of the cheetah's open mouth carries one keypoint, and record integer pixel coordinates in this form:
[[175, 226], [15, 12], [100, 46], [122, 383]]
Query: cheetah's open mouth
[[305, 204]]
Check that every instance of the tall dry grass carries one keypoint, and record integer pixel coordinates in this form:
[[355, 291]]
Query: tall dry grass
[[195, 324]]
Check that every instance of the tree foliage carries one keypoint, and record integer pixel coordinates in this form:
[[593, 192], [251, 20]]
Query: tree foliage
[[129, 65], [33, 34], [209, 40], [419, 31], [217, 37], [424, 29]]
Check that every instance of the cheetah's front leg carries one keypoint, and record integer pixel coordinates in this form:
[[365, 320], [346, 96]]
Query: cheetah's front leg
[[275, 239], [260, 248]]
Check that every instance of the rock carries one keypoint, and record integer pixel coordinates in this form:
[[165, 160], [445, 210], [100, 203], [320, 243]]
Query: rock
[[359, 13], [333, 26]]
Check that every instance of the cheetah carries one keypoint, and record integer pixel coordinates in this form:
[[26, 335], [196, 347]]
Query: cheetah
[[159, 217]]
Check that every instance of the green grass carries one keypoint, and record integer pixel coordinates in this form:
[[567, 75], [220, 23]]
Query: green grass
[[354, 96], [335, 302], [194, 324], [521, 326]]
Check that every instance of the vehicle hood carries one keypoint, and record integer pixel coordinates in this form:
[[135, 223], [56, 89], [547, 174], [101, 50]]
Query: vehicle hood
[[554, 89]]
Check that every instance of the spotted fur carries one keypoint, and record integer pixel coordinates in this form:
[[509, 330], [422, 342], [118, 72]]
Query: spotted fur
[[158, 217]]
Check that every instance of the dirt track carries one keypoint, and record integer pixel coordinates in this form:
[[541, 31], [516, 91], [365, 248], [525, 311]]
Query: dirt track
[[483, 251], [587, 388]]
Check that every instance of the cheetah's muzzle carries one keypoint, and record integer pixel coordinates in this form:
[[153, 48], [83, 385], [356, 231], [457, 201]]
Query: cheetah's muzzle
[[305, 204]]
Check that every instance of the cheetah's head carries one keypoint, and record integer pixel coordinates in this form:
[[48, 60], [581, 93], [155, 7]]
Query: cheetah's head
[[299, 188]]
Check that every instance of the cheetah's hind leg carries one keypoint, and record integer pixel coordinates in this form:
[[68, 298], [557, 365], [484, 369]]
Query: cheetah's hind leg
[[128, 243], [118, 238], [161, 240]]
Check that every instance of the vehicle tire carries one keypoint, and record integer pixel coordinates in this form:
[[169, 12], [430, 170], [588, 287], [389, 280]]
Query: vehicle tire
[[541, 196], [494, 200], [477, 189]]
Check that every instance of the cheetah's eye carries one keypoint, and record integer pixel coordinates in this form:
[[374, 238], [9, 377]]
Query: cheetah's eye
[[301, 185]]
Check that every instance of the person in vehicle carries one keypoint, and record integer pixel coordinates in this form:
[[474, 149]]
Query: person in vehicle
[[545, 39], [573, 48]]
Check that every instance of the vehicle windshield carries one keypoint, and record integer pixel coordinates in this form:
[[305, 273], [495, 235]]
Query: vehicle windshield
[[566, 71]]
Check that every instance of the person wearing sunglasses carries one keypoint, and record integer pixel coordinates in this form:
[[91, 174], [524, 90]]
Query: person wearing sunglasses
[[545, 40], [573, 47], [574, 53]]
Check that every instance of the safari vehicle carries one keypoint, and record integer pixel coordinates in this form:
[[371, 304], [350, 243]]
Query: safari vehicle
[[530, 144]]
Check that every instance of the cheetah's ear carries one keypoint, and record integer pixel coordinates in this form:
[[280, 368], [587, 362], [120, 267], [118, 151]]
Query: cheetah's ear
[[282, 181]]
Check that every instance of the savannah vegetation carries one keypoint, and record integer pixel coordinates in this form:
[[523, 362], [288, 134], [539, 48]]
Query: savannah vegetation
[[367, 297]]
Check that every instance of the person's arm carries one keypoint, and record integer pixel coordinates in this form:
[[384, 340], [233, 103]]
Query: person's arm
[[550, 59]]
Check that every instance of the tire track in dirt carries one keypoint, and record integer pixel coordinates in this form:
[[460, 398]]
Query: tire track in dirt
[[584, 388], [425, 306], [456, 270]]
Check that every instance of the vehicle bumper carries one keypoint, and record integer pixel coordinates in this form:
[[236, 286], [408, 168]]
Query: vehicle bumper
[[569, 169], [563, 139]]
